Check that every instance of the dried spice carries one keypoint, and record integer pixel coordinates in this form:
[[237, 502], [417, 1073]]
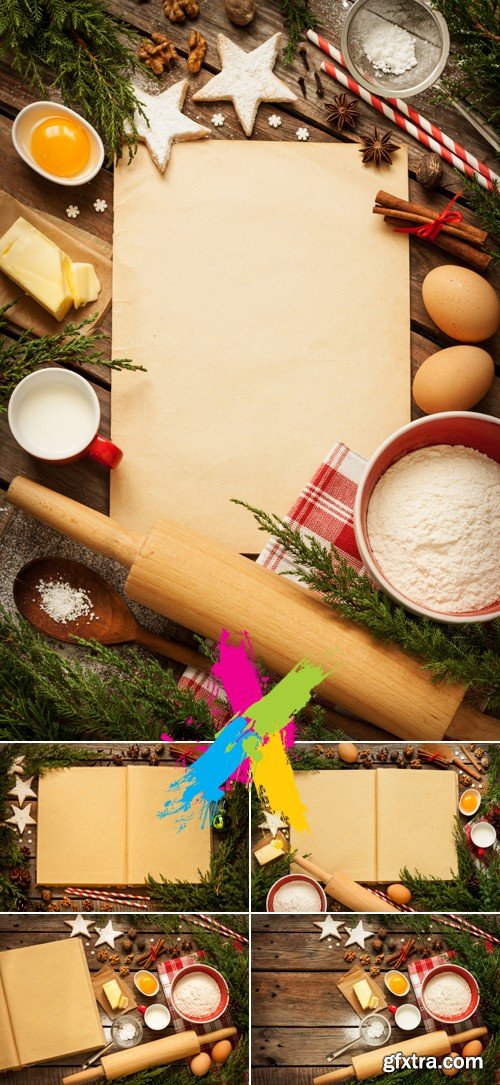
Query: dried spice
[[177, 10], [46, 896], [240, 12], [409, 751], [378, 148], [126, 945], [159, 54], [302, 51], [377, 944], [382, 933], [429, 171], [144, 752], [319, 86], [302, 84], [132, 934], [383, 755], [342, 112]]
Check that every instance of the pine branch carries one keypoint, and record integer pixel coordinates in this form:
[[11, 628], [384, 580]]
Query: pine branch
[[298, 17], [475, 888], [78, 47], [466, 654], [486, 205], [474, 67], [23, 355]]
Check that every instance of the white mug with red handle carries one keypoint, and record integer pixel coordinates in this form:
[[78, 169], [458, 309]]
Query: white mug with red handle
[[54, 415]]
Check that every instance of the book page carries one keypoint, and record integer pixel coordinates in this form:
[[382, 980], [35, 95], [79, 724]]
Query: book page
[[81, 827], [154, 844], [9, 1057], [416, 821], [51, 1003], [340, 811]]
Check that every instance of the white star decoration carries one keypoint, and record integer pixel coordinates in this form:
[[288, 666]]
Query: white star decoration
[[21, 818], [358, 935], [272, 822], [22, 790], [17, 767], [167, 123], [80, 925], [107, 935], [329, 927], [246, 80]]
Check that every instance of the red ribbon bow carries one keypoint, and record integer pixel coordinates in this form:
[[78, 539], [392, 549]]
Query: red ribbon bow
[[431, 230]]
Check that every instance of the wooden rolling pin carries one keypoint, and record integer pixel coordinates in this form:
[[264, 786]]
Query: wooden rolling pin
[[207, 588], [146, 1056], [342, 888], [371, 1063]]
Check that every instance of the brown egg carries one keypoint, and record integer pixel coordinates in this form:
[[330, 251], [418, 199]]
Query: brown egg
[[399, 894], [461, 303], [221, 1052], [473, 1048], [201, 1064], [453, 379], [348, 752], [449, 1071]]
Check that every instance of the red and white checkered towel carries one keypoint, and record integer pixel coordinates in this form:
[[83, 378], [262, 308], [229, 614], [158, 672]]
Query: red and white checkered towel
[[417, 971], [325, 510], [166, 972]]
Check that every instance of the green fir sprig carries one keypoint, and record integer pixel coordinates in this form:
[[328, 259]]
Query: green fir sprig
[[473, 72], [22, 355], [78, 48], [486, 205], [468, 654], [298, 17]]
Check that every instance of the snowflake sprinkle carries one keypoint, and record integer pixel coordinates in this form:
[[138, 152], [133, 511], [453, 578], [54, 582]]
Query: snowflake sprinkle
[[218, 120], [302, 133], [72, 211], [274, 120], [100, 205]]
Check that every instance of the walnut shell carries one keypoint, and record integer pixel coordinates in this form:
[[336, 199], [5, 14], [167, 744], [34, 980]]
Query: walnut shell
[[240, 12]]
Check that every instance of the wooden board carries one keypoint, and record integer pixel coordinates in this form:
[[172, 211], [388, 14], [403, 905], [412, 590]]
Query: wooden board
[[80, 246], [104, 976], [346, 986]]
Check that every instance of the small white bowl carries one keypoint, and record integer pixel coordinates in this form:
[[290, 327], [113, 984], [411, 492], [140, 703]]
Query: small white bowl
[[157, 1017], [407, 1017], [34, 114], [469, 813]]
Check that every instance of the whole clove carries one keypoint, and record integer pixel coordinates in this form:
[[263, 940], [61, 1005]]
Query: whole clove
[[319, 86], [302, 84], [303, 53]]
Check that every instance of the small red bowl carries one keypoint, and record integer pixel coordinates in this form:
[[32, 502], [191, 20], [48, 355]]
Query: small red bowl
[[286, 880], [473, 987], [479, 431], [223, 1003]]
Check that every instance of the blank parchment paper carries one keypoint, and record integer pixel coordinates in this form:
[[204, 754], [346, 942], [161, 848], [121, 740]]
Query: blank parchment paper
[[271, 308]]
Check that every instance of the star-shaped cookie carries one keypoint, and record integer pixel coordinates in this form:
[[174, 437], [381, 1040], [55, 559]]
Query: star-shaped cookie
[[21, 818], [22, 790], [108, 935], [272, 822], [167, 122], [80, 925], [17, 767], [246, 80], [358, 935], [329, 927]]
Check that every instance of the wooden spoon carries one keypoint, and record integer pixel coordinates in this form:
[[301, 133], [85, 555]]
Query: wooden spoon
[[111, 621]]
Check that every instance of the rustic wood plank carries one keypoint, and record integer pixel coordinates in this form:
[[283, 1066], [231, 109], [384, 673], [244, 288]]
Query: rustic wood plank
[[309, 1046]]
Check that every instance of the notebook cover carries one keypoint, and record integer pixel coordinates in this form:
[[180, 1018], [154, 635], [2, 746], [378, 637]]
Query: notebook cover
[[416, 814], [154, 844], [81, 836], [340, 807], [51, 1004]]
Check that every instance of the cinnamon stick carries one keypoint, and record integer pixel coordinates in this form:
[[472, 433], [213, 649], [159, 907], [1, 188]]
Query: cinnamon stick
[[470, 757], [464, 252], [413, 219], [393, 203]]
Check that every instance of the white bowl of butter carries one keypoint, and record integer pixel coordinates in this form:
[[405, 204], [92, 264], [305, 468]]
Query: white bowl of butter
[[38, 113]]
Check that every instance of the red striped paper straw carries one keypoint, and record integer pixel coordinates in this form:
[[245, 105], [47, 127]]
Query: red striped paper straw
[[482, 176], [113, 898], [222, 928], [459, 922], [208, 924]]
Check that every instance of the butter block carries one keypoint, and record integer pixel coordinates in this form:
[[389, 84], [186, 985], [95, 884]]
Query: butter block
[[113, 993], [83, 283], [269, 852], [38, 266], [373, 1003], [363, 993], [123, 1003]]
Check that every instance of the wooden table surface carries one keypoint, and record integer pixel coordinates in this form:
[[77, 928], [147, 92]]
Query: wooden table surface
[[86, 481], [298, 1014], [29, 930], [104, 755]]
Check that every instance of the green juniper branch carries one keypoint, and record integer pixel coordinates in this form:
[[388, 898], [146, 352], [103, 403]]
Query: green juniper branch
[[468, 654], [298, 17]]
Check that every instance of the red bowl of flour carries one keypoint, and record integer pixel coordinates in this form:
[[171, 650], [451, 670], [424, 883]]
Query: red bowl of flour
[[477, 431], [199, 994], [447, 975]]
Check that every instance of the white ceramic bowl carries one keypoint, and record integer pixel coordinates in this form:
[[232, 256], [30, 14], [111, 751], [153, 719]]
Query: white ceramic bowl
[[479, 431], [477, 796], [34, 114]]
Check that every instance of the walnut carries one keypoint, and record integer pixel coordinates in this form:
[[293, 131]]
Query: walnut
[[415, 763], [374, 970], [158, 54], [382, 933], [240, 12], [132, 933], [466, 780], [114, 959], [401, 763], [124, 970], [102, 954], [478, 752], [176, 10], [54, 907], [197, 48], [128, 959], [46, 896], [349, 956], [66, 903], [485, 762], [365, 958], [379, 958], [409, 751], [133, 752]]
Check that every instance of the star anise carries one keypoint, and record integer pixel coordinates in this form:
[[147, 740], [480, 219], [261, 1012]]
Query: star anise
[[342, 112], [378, 148]]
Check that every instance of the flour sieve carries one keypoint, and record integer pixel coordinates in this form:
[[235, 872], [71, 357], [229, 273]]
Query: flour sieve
[[374, 1030], [427, 28]]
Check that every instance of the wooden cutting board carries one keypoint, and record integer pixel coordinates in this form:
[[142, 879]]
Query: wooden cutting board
[[346, 987], [99, 979], [80, 246]]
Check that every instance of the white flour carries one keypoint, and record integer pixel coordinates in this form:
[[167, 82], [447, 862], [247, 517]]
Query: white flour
[[434, 527], [197, 994], [297, 897], [64, 603], [447, 994], [390, 49]]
